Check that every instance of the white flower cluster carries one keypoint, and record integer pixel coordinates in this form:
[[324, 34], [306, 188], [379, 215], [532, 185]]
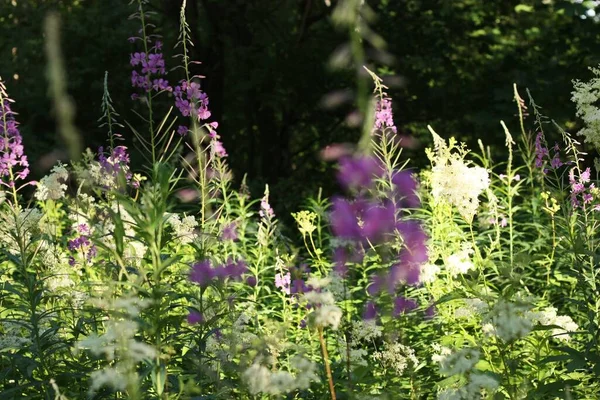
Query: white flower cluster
[[326, 312], [13, 337], [52, 187], [460, 363], [549, 316], [586, 97], [365, 331], [429, 272], [455, 363], [453, 181], [460, 262], [118, 345], [260, 379], [509, 321], [396, 357], [134, 250], [184, 228], [472, 307], [472, 390], [20, 228]]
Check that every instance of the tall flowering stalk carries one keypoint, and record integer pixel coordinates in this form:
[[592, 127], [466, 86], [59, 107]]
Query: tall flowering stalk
[[149, 71], [14, 166]]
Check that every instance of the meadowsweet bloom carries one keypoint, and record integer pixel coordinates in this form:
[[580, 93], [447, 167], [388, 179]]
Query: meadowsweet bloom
[[118, 344], [13, 161], [509, 321], [456, 363], [453, 181], [52, 187], [183, 228], [365, 331], [325, 313], [429, 272], [472, 307], [396, 357], [27, 222], [585, 97], [549, 316], [460, 262], [261, 379]]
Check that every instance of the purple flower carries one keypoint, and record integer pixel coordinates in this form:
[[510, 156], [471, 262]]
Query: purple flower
[[584, 177], [202, 273], [298, 286], [370, 311], [340, 258], [13, 161], [405, 189], [182, 130], [251, 281], [384, 117], [540, 150], [152, 69], [283, 282], [358, 172], [343, 218], [230, 232], [402, 305], [218, 149], [195, 318]]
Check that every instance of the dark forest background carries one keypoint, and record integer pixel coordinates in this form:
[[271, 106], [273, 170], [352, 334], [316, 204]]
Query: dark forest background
[[449, 63]]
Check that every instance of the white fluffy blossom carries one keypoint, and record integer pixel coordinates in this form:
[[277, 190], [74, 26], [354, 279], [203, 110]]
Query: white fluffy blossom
[[585, 96], [549, 317], [396, 357], [471, 308], [326, 313], [460, 262], [260, 379], [184, 228], [456, 363], [453, 181], [429, 272], [52, 187], [509, 321]]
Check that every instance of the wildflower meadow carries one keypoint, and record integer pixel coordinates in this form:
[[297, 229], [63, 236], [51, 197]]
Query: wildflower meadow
[[475, 277]]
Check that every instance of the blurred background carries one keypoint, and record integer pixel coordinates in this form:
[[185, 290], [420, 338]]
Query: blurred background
[[274, 70]]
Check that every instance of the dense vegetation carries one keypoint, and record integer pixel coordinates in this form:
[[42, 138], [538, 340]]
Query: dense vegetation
[[143, 265]]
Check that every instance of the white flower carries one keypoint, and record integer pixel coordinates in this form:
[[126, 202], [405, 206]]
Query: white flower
[[52, 187], [458, 362], [365, 331], [460, 262], [429, 272], [328, 315], [585, 97], [549, 317], [509, 321], [184, 229], [396, 357], [453, 181]]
